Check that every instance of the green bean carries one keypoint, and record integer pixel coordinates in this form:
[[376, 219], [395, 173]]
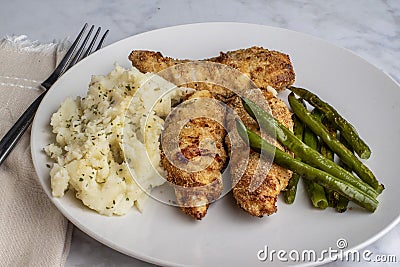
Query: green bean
[[332, 196], [315, 191], [347, 156], [343, 202], [324, 179], [349, 132], [307, 154], [335, 200], [289, 194]]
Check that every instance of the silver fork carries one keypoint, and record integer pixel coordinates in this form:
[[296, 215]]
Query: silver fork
[[12, 137]]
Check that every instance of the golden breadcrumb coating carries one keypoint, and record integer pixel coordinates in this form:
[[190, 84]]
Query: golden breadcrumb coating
[[264, 67], [208, 181]]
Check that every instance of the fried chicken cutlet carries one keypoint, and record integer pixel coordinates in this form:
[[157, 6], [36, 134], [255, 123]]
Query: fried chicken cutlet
[[196, 188], [261, 200], [265, 68], [262, 66]]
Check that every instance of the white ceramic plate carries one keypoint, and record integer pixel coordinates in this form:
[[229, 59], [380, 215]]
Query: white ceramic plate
[[228, 236]]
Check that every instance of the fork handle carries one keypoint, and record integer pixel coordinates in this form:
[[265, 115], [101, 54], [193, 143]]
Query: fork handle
[[12, 137]]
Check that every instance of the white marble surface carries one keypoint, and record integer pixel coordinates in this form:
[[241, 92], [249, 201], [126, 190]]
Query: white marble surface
[[370, 28]]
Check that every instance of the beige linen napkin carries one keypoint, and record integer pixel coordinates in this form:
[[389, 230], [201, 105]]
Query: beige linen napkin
[[32, 231]]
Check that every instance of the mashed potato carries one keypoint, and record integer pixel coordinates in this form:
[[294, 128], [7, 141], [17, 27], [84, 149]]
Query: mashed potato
[[107, 144]]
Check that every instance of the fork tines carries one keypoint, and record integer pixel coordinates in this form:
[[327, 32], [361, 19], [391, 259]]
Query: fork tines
[[78, 55], [72, 57]]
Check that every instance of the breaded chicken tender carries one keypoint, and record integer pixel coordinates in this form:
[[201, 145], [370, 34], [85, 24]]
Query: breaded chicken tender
[[261, 200], [264, 67], [195, 189]]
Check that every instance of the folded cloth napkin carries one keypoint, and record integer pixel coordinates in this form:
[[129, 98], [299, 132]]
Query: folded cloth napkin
[[32, 231]]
